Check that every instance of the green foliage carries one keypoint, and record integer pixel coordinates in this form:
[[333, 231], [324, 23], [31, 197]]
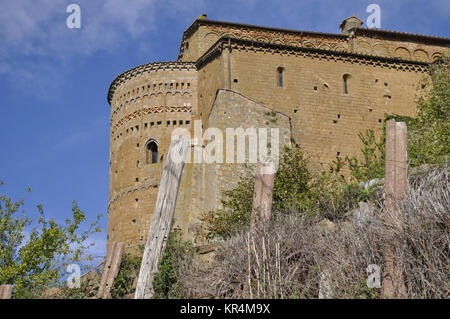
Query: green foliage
[[324, 194], [291, 180], [38, 260], [124, 284], [372, 164], [331, 196], [177, 255], [428, 139], [361, 291], [237, 203]]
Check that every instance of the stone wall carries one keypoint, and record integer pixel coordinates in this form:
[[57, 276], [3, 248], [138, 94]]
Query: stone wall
[[325, 119], [203, 33], [334, 86], [145, 106], [202, 183]]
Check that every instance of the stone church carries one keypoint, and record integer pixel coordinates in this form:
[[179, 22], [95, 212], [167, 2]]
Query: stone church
[[318, 89]]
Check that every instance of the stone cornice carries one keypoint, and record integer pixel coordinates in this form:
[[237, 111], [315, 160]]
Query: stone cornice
[[130, 190], [388, 34], [149, 110], [383, 34], [242, 44], [145, 68], [195, 25], [155, 93]]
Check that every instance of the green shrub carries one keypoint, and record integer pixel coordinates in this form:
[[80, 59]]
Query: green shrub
[[126, 279], [177, 254], [325, 194], [372, 164], [428, 139], [34, 260]]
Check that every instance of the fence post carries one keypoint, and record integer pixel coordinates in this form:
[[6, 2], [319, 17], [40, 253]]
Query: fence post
[[110, 269], [395, 186], [162, 217], [262, 194], [6, 291]]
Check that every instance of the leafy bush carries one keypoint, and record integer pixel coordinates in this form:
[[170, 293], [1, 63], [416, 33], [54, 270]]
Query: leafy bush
[[429, 138], [177, 255], [125, 282], [373, 152], [37, 261], [323, 193]]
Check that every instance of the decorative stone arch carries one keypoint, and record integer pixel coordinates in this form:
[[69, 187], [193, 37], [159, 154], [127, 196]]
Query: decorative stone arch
[[380, 49], [151, 151], [173, 98], [230, 35], [364, 47], [309, 44], [158, 98], [340, 49], [436, 56], [277, 41], [247, 37], [421, 55], [324, 46], [262, 39], [212, 35], [402, 53], [294, 43]]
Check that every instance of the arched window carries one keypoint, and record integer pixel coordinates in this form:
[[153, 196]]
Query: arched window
[[346, 78], [151, 152], [280, 76]]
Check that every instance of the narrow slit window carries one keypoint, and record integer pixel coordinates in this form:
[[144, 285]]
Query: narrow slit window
[[280, 76], [345, 78], [152, 152]]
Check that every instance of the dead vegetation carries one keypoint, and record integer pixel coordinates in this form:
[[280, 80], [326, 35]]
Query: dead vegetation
[[297, 256]]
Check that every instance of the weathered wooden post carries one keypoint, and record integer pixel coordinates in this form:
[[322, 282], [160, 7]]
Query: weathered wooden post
[[395, 186], [261, 211], [262, 194], [162, 217], [6, 291], [110, 269]]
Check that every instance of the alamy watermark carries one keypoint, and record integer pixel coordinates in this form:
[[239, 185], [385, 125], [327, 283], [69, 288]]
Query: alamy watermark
[[374, 19], [235, 145], [74, 279], [73, 21], [374, 278]]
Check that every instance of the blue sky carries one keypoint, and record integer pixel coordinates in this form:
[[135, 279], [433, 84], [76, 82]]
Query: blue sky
[[54, 131]]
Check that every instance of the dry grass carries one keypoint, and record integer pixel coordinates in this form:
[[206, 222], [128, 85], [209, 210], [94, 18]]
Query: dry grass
[[298, 257]]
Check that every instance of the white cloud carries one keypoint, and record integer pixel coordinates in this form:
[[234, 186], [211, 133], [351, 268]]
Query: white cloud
[[34, 34], [40, 26]]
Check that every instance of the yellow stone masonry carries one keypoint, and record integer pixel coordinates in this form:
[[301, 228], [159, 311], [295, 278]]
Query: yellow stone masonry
[[227, 75]]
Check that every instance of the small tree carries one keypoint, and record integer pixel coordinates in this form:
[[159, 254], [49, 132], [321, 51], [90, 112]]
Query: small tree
[[429, 139], [36, 260]]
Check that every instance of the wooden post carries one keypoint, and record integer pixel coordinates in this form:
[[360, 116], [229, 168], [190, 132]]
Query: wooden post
[[162, 217], [262, 194], [6, 291], [110, 269], [395, 186]]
